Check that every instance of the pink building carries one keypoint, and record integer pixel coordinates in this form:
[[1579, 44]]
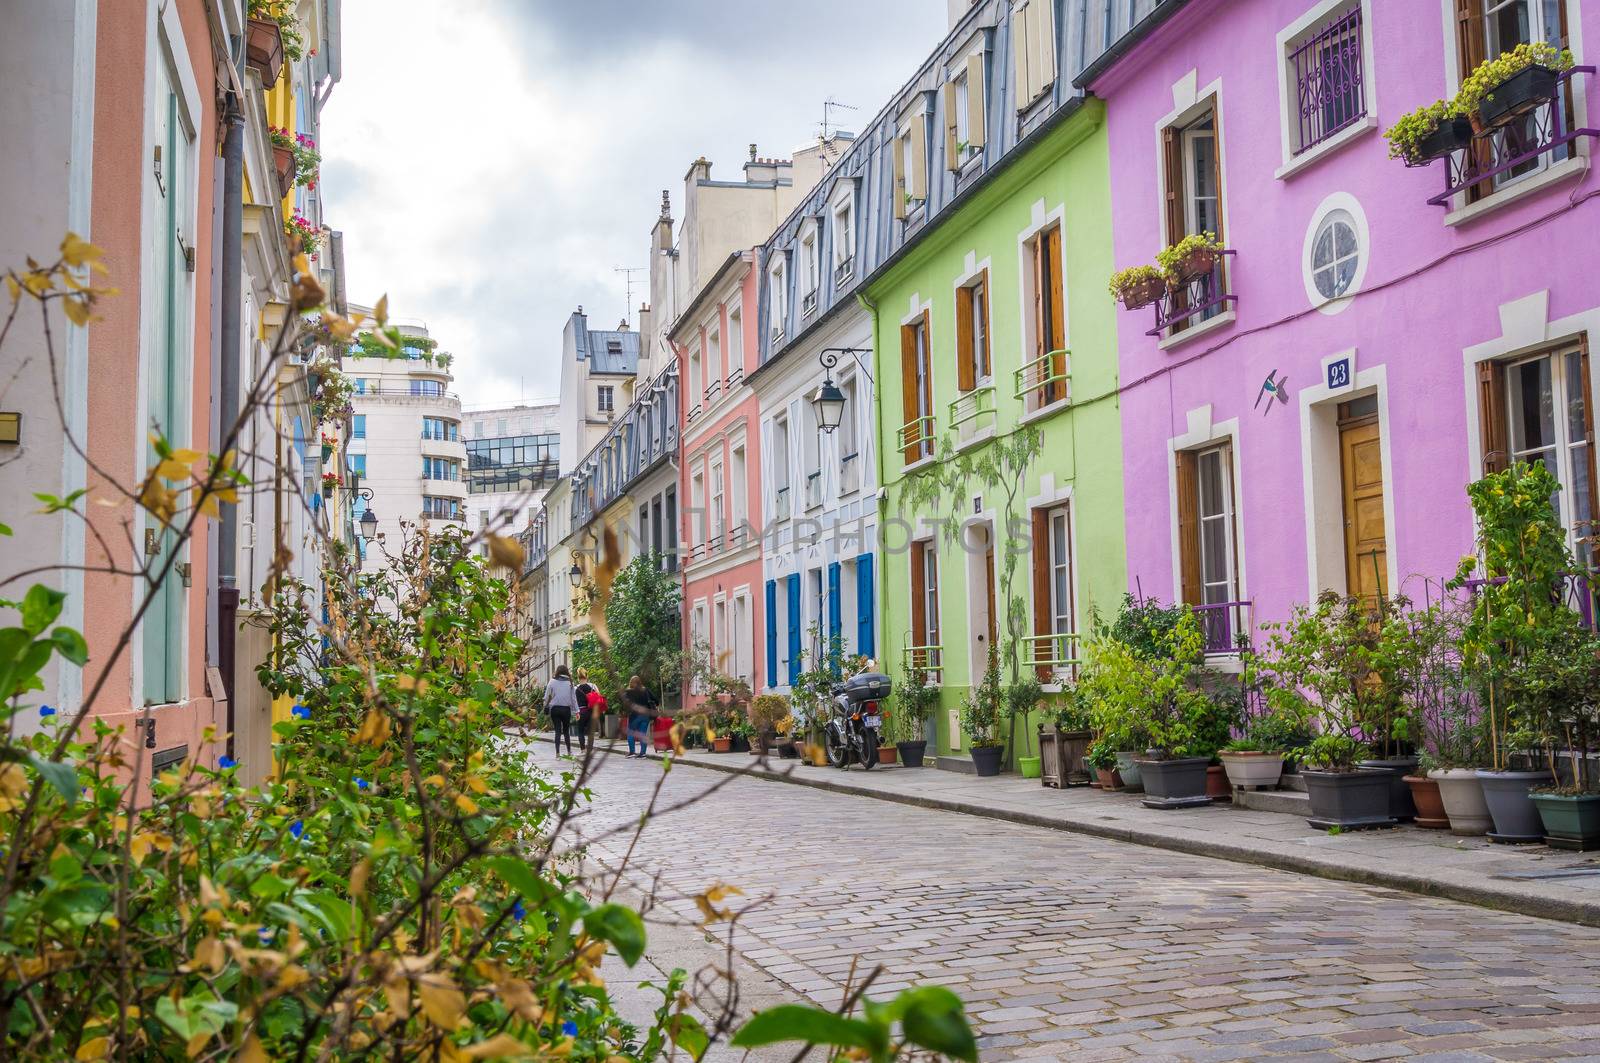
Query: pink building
[[720, 468], [1308, 414]]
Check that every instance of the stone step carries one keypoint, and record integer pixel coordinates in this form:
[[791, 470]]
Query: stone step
[[1294, 802], [961, 764], [1293, 782]]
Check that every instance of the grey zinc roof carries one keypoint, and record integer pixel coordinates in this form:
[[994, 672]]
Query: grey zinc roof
[[613, 352]]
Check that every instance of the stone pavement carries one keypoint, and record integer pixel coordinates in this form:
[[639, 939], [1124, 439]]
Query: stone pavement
[[1079, 948], [1531, 880]]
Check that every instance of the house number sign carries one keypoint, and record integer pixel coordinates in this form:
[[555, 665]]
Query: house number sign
[[1339, 371]]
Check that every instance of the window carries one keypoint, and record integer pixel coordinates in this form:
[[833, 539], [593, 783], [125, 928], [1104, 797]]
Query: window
[[1325, 68], [1052, 587], [440, 469], [777, 301], [1193, 187], [1335, 254], [780, 468], [925, 602], [844, 239], [719, 637], [809, 268], [916, 390], [743, 639], [911, 163], [361, 385], [1044, 377], [1547, 419], [811, 454], [1208, 541], [605, 398], [426, 387], [697, 501], [972, 333], [358, 426], [718, 515], [356, 463], [513, 463], [849, 459], [1033, 49], [1484, 30], [441, 508], [715, 369], [670, 526], [735, 339], [964, 113], [439, 428], [740, 485], [696, 392]]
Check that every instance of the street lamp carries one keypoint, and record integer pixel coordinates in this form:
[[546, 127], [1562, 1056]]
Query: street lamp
[[828, 400], [575, 573], [369, 524]]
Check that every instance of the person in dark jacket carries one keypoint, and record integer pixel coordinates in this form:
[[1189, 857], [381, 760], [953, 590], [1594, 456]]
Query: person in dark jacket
[[641, 711], [584, 714], [559, 702]]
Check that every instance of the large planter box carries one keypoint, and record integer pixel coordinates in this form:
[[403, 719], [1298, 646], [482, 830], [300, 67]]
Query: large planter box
[[1452, 134], [1177, 783], [1253, 771], [1516, 818], [1516, 96], [986, 759], [1349, 800], [1570, 822], [1128, 768], [1061, 754], [263, 50], [1401, 807], [283, 166]]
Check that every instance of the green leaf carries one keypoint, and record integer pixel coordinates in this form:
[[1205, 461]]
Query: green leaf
[[797, 1022], [70, 645], [688, 1034], [620, 926], [63, 775], [41, 607], [5, 529], [933, 1019], [521, 877]]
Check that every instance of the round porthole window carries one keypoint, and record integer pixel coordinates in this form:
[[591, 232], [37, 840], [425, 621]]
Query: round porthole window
[[1334, 259], [1335, 253]]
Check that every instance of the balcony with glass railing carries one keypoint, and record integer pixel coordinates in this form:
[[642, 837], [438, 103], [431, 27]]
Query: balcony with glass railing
[[780, 504], [814, 489], [849, 473]]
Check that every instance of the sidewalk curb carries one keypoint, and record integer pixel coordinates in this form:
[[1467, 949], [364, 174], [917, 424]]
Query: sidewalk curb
[[1482, 895]]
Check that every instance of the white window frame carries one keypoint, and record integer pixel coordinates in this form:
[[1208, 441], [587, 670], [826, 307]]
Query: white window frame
[[1337, 201], [843, 214], [1291, 37], [733, 348], [777, 296]]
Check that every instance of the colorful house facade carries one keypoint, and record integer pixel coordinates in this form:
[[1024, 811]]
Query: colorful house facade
[[1305, 416]]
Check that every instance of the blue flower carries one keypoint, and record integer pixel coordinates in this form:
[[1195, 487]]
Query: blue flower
[[46, 710], [297, 828], [266, 934], [569, 1028], [225, 762], [300, 712], [361, 784], [518, 912]]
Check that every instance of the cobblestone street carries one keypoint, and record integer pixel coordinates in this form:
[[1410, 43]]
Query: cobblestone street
[[1079, 948]]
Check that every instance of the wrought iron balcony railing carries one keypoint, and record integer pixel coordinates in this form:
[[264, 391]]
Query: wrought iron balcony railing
[[1225, 625], [1195, 300], [1330, 84]]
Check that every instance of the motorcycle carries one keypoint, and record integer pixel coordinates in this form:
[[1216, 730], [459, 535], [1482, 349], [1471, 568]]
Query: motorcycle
[[856, 721]]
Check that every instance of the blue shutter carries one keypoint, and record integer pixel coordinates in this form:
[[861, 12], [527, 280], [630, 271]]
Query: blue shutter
[[772, 633], [866, 634], [794, 628], [835, 610]]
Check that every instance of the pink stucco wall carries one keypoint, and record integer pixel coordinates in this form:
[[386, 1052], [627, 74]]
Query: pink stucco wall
[[1430, 290], [705, 573]]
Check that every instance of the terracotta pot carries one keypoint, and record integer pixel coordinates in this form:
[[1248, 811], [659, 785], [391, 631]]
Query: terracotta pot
[[1107, 779], [887, 754], [1143, 293], [263, 50], [721, 745], [1197, 263], [1430, 806], [283, 165], [1217, 787]]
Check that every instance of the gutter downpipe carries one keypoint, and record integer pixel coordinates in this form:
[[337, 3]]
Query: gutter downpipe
[[228, 392]]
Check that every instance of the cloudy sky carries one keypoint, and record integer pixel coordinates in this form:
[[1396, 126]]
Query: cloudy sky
[[492, 161]]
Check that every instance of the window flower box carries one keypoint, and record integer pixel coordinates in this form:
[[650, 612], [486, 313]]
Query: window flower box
[[1138, 286], [263, 49], [283, 166], [1516, 96], [1192, 257], [1452, 134]]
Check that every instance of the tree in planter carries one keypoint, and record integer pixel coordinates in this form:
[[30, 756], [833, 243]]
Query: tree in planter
[[1022, 697], [1440, 688], [915, 700], [1145, 686], [769, 715], [981, 711]]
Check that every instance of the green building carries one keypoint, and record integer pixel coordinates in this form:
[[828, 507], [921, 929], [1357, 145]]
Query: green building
[[1000, 454]]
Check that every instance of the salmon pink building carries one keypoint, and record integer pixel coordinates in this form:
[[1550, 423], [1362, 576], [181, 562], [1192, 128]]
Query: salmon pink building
[[1306, 414]]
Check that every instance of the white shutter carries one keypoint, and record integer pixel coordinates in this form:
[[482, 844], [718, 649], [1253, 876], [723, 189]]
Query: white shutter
[[977, 111], [952, 156], [1042, 63], [919, 156], [1021, 45]]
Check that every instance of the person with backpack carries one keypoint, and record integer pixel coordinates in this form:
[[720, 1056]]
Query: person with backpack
[[585, 693], [641, 712], [559, 702]]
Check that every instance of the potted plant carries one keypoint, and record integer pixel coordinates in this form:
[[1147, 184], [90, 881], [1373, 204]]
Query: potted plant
[[307, 160], [263, 48], [299, 230], [980, 719], [767, 711], [1064, 741], [330, 481], [1512, 84], [1103, 759], [914, 702], [1022, 696], [1138, 286], [1444, 712], [1343, 795], [1519, 629], [1565, 720], [1430, 132], [284, 162], [329, 444], [1191, 257], [887, 753], [1255, 762]]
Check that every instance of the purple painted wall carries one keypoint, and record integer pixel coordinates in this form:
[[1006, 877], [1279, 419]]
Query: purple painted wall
[[1430, 292]]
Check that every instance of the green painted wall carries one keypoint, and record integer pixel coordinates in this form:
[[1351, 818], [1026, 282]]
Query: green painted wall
[[1066, 175]]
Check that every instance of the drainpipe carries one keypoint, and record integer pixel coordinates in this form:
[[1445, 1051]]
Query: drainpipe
[[228, 391]]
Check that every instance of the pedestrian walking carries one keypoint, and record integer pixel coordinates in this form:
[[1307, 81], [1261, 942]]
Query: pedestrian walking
[[641, 712], [582, 693], [559, 702]]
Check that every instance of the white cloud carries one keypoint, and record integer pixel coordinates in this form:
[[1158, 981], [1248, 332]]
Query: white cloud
[[491, 163]]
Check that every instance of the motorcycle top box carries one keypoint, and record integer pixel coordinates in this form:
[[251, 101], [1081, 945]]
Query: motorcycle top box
[[868, 686]]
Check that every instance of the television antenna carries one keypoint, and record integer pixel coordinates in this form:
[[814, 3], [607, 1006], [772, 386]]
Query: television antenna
[[627, 273], [830, 105]]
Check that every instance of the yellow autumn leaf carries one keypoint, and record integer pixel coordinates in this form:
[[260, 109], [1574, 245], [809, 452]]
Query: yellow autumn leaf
[[75, 250], [13, 288], [94, 1048], [37, 281], [434, 781], [358, 877], [197, 1043], [500, 1046], [505, 552], [381, 311], [77, 310], [467, 805], [251, 1051], [374, 728], [301, 263], [442, 1002]]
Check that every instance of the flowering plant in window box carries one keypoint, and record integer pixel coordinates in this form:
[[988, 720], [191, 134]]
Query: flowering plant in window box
[[284, 162], [1505, 88], [1193, 256], [307, 159], [1430, 132], [330, 480], [330, 443], [281, 14], [1138, 286], [301, 229]]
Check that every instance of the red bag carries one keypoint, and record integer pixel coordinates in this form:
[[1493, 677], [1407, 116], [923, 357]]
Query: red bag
[[597, 704]]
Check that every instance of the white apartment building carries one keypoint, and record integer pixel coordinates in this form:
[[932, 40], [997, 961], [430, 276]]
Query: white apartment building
[[406, 444], [513, 458], [598, 367]]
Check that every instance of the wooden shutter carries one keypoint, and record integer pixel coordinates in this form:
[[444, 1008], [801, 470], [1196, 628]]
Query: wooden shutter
[[908, 388], [977, 111], [1471, 50], [966, 379], [1588, 434], [919, 156], [982, 309], [1492, 417], [925, 428], [1040, 560], [1020, 45], [1189, 526], [1172, 163], [919, 597], [1042, 56], [1057, 312], [952, 156], [1041, 328], [897, 150], [1235, 591]]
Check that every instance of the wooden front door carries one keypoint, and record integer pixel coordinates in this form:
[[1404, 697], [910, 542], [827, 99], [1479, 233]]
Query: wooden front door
[[988, 579], [1366, 550]]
